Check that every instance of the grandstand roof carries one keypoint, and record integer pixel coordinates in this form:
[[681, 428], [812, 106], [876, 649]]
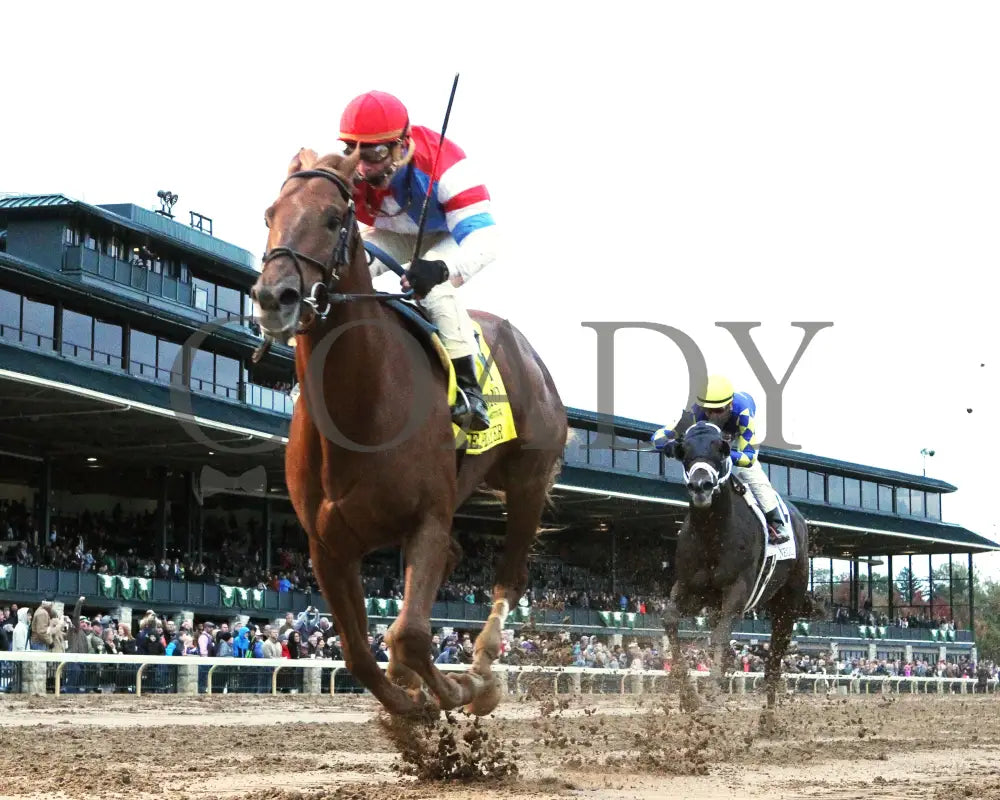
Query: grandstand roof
[[237, 263]]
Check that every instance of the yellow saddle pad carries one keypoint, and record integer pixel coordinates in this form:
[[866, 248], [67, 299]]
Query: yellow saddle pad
[[501, 418]]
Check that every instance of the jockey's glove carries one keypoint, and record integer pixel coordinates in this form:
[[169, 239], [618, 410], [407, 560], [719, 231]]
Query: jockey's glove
[[424, 275], [664, 440]]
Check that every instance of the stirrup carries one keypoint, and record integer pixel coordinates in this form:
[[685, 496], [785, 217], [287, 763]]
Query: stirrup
[[774, 536], [468, 418]]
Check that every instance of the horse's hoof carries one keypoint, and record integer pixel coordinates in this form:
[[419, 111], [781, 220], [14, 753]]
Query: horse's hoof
[[487, 700]]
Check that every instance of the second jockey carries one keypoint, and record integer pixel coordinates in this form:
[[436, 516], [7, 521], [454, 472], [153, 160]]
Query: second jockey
[[398, 162], [733, 412]]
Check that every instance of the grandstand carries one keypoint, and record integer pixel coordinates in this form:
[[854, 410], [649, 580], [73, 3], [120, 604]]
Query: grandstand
[[135, 425]]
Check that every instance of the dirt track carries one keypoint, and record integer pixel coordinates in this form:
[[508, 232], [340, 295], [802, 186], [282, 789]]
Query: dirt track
[[280, 748]]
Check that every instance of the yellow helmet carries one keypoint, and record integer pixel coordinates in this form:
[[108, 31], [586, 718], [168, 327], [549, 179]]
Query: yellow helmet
[[718, 393]]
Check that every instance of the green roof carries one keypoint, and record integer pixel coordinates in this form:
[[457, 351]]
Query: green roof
[[238, 263]]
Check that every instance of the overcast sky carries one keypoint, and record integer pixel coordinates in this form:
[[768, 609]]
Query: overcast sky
[[684, 164]]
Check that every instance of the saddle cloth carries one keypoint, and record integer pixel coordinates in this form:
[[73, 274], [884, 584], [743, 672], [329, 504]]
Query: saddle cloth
[[502, 428], [773, 553]]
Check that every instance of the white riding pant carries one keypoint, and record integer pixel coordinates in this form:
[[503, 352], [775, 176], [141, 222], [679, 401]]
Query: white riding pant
[[757, 480], [441, 304]]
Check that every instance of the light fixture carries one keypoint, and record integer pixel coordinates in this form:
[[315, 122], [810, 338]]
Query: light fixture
[[211, 452], [91, 458]]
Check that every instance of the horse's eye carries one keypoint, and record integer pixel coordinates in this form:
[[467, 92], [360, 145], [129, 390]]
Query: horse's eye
[[333, 222]]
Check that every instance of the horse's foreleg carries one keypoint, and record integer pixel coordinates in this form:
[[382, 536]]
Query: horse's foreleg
[[340, 581], [427, 554], [722, 631], [678, 664]]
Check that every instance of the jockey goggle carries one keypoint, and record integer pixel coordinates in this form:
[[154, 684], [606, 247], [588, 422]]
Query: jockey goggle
[[371, 153]]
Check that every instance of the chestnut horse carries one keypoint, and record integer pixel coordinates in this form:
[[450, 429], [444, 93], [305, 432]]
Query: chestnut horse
[[371, 459]]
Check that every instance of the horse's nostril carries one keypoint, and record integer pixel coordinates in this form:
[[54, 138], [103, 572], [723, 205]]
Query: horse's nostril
[[706, 485], [288, 297]]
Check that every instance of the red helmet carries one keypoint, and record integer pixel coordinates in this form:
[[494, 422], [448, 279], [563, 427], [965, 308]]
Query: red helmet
[[374, 117]]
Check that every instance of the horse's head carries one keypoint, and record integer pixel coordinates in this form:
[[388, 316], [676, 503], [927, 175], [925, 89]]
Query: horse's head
[[705, 456], [311, 241]]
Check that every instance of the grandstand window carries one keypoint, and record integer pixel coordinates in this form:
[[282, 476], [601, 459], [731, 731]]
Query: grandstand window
[[108, 343], [227, 377], [779, 478], [115, 248], [10, 315], [852, 492], [202, 371], [798, 483], [576, 447], [38, 324], [600, 453], [228, 301], [934, 505], [869, 495], [916, 503], [885, 498], [902, 500], [90, 240], [204, 295], [626, 459], [817, 486], [649, 462], [835, 487], [168, 370], [77, 335], [71, 235], [673, 470], [142, 354]]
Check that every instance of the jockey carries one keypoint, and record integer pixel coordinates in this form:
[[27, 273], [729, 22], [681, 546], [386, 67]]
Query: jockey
[[733, 412], [397, 162]]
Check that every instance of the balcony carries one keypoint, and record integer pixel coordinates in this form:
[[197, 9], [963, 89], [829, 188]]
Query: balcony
[[77, 259]]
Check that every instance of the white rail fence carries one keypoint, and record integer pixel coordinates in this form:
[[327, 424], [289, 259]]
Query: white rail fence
[[36, 672]]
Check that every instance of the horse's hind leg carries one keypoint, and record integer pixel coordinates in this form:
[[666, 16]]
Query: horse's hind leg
[[526, 497], [782, 622]]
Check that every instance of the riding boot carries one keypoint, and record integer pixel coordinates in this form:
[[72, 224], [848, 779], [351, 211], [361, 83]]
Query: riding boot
[[777, 529], [465, 375]]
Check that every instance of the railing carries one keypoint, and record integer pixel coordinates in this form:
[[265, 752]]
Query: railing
[[270, 399], [207, 598], [34, 672], [27, 338]]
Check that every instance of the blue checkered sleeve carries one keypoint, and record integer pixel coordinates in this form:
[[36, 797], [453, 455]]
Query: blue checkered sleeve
[[744, 454]]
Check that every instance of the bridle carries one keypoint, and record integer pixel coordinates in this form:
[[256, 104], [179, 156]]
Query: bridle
[[718, 478], [320, 294], [321, 297]]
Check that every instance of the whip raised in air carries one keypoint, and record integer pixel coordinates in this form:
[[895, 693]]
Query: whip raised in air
[[430, 182]]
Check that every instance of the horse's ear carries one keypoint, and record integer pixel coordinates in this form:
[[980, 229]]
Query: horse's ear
[[721, 446], [304, 159], [679, 451]]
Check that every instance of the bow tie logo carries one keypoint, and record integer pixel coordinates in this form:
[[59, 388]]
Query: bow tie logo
[[253, 481]]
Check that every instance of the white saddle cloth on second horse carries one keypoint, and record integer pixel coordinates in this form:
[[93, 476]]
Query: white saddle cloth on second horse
[[773, 553]]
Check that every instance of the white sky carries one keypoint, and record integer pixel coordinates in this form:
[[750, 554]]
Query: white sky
[[678, 163]]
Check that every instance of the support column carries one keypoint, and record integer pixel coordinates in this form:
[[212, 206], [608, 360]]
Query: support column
[[892, 591], [161, 512], [831, 583], [972, 599], [267, 533], [951, 587], [812, 588], [930, 584], [909, 587], [614, 564], [44, 521]]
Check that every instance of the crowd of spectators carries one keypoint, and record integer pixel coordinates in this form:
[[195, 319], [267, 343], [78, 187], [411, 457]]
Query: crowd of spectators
[[117, 543]]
